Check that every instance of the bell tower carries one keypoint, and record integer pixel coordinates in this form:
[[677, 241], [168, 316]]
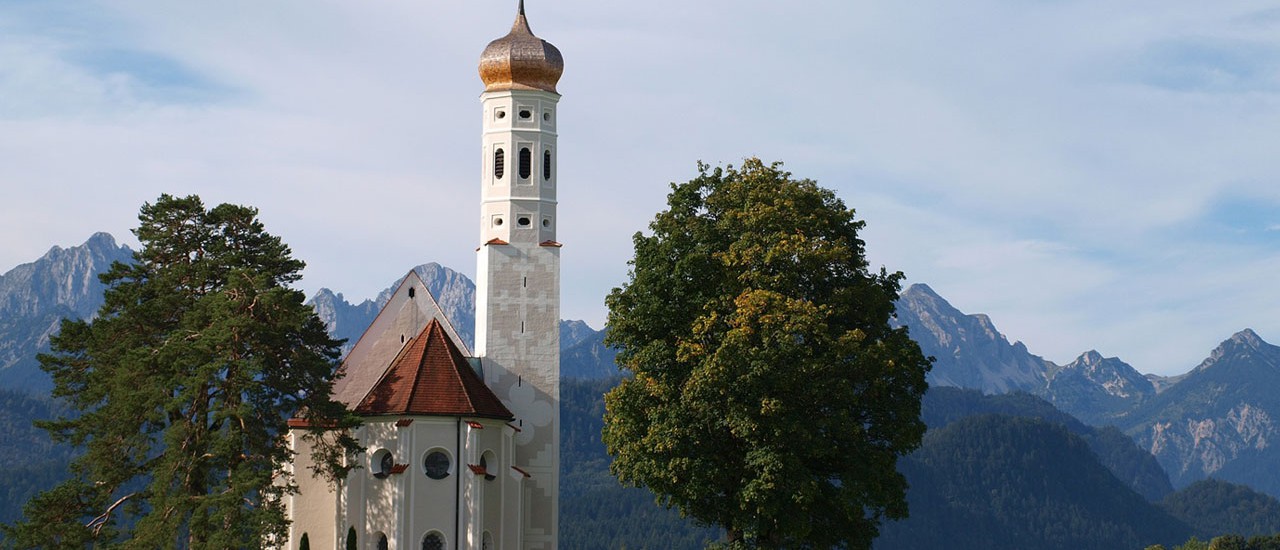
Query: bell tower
[[518, 263]]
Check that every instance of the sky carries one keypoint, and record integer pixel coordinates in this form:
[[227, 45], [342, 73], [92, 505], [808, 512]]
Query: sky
[[1091, 174]]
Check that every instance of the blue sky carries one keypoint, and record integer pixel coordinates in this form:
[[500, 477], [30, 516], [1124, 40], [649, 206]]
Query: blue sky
[[1091, 174]]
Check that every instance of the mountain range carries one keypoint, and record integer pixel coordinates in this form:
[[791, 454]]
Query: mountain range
[[1089, 453], [1219, 420]]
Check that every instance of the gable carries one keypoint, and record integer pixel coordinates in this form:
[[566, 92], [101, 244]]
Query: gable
[[405, 315]]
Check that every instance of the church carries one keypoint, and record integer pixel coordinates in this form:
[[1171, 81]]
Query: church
[[463, 446]]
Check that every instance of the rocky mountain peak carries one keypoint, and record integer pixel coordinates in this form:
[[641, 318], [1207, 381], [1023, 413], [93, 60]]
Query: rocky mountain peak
[[969, 352], [1091, 358], [36, 296], [1241, 344], [1248, 338]]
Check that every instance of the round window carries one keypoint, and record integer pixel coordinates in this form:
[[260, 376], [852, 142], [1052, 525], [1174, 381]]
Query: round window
[[502, 115], [436, 465], [433, 541]]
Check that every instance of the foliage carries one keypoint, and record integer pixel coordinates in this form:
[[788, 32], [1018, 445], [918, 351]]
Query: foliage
[[769, 394], [1214, 507], [1009, 482], [1231, 542], [181, 388]]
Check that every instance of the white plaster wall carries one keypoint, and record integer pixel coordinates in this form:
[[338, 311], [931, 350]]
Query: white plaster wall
[[313, 507]]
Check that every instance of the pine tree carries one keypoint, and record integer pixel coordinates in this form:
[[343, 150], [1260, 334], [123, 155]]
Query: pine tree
[[770, 396], [182, 386]]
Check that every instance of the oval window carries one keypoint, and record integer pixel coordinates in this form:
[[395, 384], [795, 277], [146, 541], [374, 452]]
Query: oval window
[[525, 114], [436, 465]]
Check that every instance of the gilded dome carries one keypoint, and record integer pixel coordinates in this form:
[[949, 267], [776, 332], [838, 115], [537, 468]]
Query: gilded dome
[[520, 61]]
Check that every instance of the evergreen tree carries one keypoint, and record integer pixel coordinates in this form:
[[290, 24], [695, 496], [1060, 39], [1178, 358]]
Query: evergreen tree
[[770, 395], [181, 389]]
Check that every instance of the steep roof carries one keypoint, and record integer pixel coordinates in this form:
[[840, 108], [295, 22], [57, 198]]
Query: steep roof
[[430, 376]]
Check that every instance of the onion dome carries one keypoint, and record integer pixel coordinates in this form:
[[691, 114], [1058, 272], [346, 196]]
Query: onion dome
[[520, 61]]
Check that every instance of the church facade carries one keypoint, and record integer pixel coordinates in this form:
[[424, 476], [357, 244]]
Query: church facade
[[463, 446]]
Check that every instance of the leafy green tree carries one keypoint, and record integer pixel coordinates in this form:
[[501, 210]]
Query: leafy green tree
[[1194, 544], [770, 396], [1228, 542], [181, 389]]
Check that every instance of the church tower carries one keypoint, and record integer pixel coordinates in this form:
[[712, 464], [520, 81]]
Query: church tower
[[518, 264]]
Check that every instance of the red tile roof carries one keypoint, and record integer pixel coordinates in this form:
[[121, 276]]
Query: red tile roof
[[431, 377]]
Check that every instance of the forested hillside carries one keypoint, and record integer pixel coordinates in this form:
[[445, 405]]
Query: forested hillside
[[32, 461], [1115, 450], [1214, 507], [1001, 482]]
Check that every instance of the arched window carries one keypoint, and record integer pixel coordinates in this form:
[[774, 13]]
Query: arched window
[[489, 463], [382, 542], [526, 163], [351, 538], [433, 541], [546, 165], [486, 541], [499, 163], [381, 463]]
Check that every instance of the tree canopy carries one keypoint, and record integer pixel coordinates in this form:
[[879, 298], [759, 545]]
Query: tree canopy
[[181, 389], [769, 393]]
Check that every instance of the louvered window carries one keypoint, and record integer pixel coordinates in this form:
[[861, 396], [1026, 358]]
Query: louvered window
[[526, 163], [499, 163], [546, 165]]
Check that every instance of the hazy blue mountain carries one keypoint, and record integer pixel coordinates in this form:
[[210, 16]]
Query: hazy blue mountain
[[1220, 419], [1096, 389], [582, 349], [35, 297], [455, 293], [588, 358], [968, 350]]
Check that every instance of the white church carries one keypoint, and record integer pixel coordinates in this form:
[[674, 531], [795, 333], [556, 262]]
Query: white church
[[463, 446]]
